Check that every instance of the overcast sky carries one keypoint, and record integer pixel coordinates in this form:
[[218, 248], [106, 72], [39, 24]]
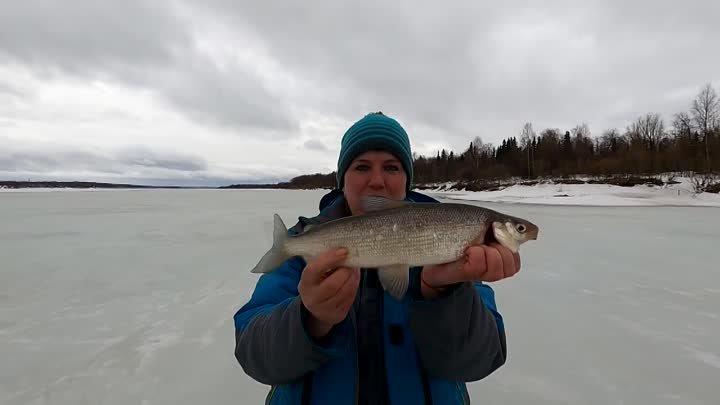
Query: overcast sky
[[174, 92]]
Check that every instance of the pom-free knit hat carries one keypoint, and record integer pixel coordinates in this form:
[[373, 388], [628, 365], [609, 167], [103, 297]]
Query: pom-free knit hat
[[375, 131]]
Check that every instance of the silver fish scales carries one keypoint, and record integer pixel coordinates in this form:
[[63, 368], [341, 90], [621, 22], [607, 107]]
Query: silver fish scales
[[394, 235]]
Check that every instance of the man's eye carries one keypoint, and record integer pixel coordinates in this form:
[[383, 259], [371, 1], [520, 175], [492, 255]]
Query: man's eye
[[392, 168], [361, 168]]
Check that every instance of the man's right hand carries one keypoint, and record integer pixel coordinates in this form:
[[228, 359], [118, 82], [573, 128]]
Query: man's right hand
[[328, 291]]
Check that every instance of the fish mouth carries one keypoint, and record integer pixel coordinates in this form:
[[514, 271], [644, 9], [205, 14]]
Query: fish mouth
[[533, 233]]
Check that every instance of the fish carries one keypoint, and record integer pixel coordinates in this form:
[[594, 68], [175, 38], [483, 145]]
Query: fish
[[392, 236]]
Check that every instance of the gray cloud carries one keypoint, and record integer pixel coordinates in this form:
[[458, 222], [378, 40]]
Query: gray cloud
[[139, 156], [125, 160], [461, 70], [449, 73], [143, 44], [90, 37], [405, 60], [314, 144], [41, 162], [233, 98], [136, 165], [7, 90], [470, 68]]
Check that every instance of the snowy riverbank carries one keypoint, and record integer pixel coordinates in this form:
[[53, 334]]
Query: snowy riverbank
[[682, 193]]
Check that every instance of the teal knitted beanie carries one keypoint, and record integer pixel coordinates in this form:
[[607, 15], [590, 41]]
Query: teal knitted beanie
[[375, 131]]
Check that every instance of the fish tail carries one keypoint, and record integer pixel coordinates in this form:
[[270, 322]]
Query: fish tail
[[274, 257]]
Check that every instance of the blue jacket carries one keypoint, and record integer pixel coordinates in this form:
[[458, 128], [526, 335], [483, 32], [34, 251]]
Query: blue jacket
[[431, 349]]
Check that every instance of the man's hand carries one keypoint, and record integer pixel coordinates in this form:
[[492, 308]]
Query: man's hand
[[328, 291], [486, 263]]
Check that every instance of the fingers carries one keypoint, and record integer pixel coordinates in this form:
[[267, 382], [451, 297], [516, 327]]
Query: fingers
[[330, 301], [476, 261], [508, 262], [345, 296], [507, 265], [446, 273], [336, 283], [317, 269], [327, 289], [492, 262]]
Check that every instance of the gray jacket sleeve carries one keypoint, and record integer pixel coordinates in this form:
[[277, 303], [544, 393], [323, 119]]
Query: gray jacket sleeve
[[272, 344], [458, 336]]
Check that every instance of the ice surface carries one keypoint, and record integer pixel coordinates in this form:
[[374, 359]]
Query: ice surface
[[127, 297]]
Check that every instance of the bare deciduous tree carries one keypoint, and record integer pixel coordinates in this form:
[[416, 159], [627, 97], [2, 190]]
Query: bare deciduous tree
[[648, 130], [682, 124], [705, 113], [526, 137]]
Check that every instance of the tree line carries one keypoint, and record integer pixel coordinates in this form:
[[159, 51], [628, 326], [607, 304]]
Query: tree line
[[688, 142]]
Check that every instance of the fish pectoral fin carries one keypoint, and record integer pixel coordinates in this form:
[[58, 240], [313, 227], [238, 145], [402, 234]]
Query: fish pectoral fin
[[376, 203], [395, 279]]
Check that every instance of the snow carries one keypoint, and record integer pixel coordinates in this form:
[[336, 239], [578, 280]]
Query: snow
[[681, 194], [128, 296]]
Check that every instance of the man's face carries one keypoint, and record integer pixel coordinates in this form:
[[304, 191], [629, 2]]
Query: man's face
[[374, 173]]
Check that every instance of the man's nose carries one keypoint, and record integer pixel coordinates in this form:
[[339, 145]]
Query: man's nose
[[376, 179]]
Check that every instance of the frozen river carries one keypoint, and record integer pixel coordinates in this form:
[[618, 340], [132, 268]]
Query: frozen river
[[127, 297]]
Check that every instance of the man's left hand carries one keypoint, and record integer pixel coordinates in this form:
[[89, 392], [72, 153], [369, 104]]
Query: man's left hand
[[486, 263]]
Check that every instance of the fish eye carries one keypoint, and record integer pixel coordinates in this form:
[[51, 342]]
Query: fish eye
[[521, 228]]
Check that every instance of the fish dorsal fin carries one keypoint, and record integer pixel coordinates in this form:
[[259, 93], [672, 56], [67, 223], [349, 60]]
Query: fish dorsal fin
[[376, 203]]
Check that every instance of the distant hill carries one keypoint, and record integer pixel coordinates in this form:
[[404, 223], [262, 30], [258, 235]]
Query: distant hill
[[72, 184], [307, 181], [311, 181]]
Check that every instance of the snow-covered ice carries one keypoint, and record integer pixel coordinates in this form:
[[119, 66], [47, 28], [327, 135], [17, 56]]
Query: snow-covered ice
[[127, 297], [680, 194]]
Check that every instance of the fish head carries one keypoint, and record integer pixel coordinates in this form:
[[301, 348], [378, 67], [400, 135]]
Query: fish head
[[512, 232]]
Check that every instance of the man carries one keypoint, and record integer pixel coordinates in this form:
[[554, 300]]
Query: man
[[321, 333]]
